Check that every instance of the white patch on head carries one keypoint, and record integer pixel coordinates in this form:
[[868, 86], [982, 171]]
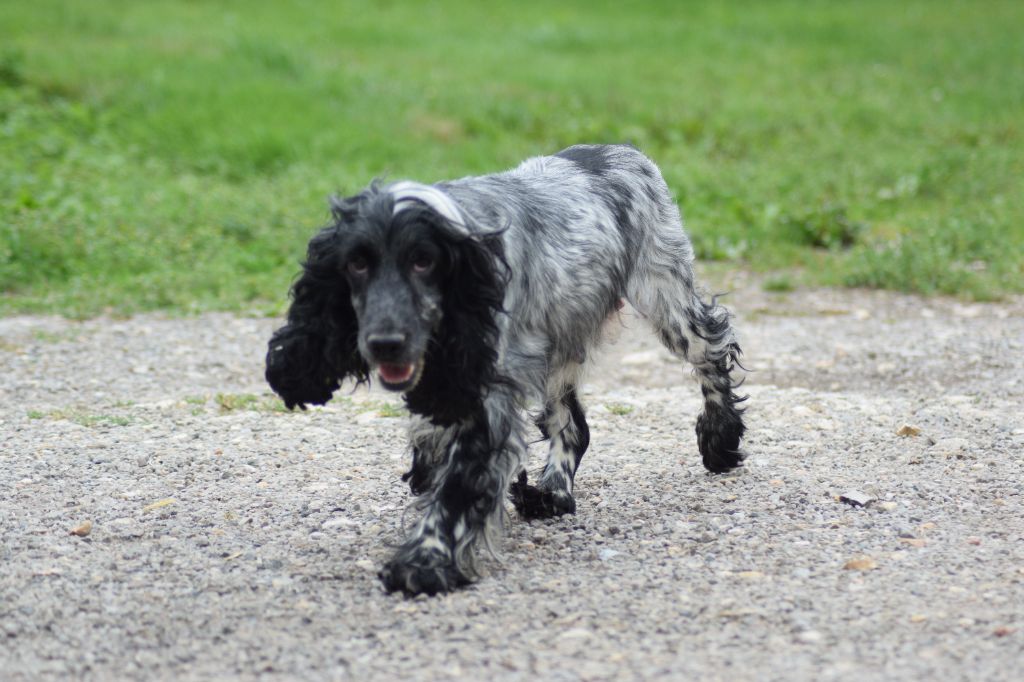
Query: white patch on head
[[407, 194]]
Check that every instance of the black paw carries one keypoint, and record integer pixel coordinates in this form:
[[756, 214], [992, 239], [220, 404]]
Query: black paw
[[534, 503], [718, 437], [412, 579]]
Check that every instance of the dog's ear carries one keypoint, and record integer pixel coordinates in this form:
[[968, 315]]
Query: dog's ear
[[308, 357], [470, 308], [461, 365]]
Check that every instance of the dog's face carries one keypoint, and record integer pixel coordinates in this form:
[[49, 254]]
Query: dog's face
[[395, 269], [402, 286]]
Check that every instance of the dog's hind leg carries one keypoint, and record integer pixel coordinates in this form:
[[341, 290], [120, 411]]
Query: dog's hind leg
[[701, 333], [464, 504], [714, 354], [565, 423]]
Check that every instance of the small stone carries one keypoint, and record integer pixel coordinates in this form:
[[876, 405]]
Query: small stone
[[159, 504], [908, 430], [366, 565], [918, 618], [856, 498], [951, 446], [860, 563], [606, 554], [338, 522], [83, 530], [575, 633], [809, 637], [887, 506]]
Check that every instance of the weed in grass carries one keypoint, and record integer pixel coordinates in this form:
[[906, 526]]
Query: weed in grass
[[64, 336], [230, 402], [233, 402], [961, 257], [779, 284], [82, 417], [619, 409], [391, 410], [827, 227], [12, 66]]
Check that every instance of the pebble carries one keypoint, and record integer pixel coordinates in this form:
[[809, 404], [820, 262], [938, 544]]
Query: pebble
[[951, 445], [856, 498], [809, 637]]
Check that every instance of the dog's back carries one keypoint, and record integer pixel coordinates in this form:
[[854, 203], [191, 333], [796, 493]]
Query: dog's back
[[582, 229]]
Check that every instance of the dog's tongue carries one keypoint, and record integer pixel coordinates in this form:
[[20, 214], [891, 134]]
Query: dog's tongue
[[396, 374]]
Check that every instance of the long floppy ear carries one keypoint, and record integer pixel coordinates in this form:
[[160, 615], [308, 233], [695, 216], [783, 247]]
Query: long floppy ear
[[308, 357], [461, 363]]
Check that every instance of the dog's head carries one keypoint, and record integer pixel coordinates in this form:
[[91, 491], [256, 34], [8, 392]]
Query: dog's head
[[402, 286]]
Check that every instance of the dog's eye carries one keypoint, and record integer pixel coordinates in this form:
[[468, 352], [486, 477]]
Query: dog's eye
[[422, 263], [358, 265]]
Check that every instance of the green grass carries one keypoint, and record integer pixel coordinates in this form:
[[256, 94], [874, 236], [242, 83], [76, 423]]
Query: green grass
[[82, 417], [619, 409], [234, 402], [177, 155]]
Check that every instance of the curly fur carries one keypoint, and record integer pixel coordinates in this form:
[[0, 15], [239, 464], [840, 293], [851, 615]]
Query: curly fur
[[310, 355], [481, 298]]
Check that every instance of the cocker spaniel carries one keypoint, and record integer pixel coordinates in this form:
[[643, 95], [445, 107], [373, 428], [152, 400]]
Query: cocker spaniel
[[480, 299]]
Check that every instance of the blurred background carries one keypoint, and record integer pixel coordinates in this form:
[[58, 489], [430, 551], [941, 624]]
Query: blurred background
[[179, 154]]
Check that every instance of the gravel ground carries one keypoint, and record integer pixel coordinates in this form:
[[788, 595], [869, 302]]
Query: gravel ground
[[232, 540]]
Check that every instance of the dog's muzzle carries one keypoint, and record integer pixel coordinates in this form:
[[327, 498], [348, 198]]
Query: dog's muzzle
[[389, 355]]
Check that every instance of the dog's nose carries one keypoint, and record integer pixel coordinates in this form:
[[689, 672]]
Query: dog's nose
[[385, 347]]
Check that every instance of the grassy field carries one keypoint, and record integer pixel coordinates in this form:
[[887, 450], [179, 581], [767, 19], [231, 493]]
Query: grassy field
[[178, 154]]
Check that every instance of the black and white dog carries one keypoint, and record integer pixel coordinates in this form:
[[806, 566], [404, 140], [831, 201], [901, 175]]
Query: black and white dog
[[482, 298]]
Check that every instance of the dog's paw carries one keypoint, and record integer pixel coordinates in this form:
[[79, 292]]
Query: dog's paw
[[723, 461], [718, 438], [419, 579], [536, 503]]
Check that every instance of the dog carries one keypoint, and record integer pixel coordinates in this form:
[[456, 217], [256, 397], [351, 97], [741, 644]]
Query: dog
[[481, 298]]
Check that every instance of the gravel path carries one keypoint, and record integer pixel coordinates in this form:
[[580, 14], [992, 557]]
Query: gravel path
[[230, 539]]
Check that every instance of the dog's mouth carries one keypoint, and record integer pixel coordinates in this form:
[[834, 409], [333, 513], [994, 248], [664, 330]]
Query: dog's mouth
[[399, 377]]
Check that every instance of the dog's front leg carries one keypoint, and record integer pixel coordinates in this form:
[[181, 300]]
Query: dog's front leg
[[463, 507], [431, 446]]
